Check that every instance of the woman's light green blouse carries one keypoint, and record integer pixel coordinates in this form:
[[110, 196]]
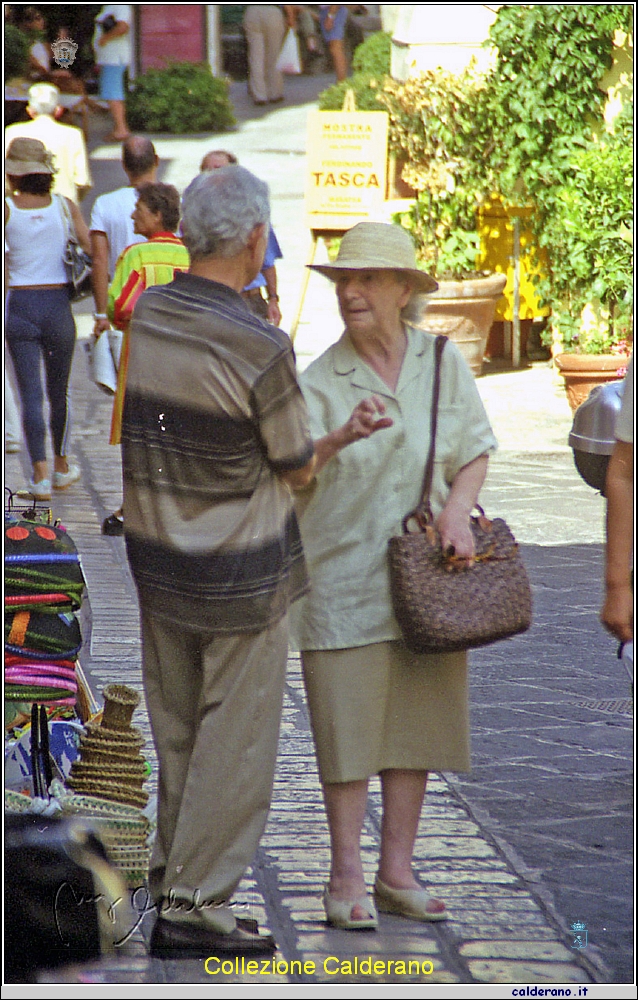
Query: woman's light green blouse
[[361, 496]]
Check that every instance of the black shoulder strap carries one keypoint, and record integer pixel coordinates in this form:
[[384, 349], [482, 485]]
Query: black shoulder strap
[[419, 518], [434, 418]]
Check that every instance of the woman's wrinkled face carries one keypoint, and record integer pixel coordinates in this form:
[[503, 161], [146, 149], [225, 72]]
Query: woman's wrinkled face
[[146, 222], [370, 301]]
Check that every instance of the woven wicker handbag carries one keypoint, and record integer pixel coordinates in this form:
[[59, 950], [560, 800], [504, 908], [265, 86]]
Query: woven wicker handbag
[[441, 608]]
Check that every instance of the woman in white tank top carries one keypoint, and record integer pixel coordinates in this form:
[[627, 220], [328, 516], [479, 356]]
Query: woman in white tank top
[[40, 323]]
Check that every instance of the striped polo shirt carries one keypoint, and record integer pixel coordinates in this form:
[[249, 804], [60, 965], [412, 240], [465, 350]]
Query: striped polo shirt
[[212, 414]]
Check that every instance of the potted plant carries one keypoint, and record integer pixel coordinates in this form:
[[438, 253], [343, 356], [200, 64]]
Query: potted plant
[[591, 264], [438, 125]]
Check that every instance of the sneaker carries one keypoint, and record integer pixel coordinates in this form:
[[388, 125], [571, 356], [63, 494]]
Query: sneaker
[[41, 490], [63, 479]]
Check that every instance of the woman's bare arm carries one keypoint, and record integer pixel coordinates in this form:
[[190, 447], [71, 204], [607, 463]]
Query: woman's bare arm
[[453, 522], [618, 610]]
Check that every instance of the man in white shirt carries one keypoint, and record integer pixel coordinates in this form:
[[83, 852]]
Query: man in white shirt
[[111, 224], [72, 178], [112, 46]]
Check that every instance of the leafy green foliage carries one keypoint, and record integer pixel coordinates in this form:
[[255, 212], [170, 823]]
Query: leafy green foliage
[[366, 90], [589, 236], [16, 52], [184, 97], [544, 102], [544, 88], [437, 125], [373, 55]]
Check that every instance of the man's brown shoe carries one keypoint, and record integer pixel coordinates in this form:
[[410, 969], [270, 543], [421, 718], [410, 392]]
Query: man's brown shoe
[[171, 939]]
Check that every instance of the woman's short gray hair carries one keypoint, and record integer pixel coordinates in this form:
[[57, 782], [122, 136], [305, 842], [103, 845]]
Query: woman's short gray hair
[[220, 209]]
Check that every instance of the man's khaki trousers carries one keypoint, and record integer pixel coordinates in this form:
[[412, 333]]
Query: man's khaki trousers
[[215, 708]]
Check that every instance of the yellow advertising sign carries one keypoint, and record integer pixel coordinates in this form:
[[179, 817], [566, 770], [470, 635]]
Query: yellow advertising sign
[[347, 156]]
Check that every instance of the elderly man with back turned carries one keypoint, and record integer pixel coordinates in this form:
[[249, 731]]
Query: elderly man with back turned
[[66, 142], [215, 434]]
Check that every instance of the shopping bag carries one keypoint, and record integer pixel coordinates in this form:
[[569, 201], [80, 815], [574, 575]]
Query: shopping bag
[[102, 368], [289, 59]]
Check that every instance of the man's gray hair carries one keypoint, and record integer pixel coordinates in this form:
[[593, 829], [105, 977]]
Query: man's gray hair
[[43, 98], [220, 209]]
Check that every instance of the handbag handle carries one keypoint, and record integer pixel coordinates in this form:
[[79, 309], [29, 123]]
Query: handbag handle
[[69, 225], [422, 516]]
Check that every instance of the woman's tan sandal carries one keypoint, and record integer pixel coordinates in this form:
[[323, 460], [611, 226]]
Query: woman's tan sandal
[[339, 912], [412, 903]]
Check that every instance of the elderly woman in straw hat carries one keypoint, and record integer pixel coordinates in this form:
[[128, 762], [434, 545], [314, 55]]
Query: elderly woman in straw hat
[[375, 707], [40, 324]]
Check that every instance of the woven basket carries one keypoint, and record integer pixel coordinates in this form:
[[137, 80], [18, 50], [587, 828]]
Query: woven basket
[[120, 702], [131, 775], [100, 735], [104, 790], [16, 802], [123, 834], [107, 758], [131, 855], [91, 805], [441, 611]]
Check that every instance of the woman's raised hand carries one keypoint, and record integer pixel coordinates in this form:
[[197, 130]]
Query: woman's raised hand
[[366, 418]]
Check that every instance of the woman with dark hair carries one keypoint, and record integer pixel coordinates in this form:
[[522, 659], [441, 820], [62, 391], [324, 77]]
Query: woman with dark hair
[[40, 324], [156, 216]]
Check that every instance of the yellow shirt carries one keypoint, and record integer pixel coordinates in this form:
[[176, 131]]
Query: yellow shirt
[[361, 496], [66, 142]]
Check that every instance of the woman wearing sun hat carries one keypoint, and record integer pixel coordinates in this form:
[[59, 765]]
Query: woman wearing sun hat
[[39, 321], [375, 707]]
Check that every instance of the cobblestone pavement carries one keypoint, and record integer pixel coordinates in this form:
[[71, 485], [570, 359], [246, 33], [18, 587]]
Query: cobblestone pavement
[[537, 837]]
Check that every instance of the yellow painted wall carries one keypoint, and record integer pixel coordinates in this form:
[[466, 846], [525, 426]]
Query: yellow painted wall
[[496, 229]]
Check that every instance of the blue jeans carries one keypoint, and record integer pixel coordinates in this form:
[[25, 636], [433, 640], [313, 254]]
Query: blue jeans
[[40, 326]]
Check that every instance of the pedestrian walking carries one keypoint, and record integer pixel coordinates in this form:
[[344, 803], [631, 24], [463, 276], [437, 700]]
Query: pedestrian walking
[[40, 325], [265, 26], [140, 266]]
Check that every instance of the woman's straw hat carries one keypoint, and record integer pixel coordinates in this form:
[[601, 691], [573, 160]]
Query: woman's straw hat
[[378, 246], [28, 156]]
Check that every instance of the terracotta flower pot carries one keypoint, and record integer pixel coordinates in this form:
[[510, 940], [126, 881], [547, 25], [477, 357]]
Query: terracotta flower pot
[[582, 372], [463, 311]]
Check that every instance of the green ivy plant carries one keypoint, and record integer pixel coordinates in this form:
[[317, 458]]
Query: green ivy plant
[[373, 56], [546, 107], [590, 238], [437, 125], [16, 52], [184, 97], [371, 66]]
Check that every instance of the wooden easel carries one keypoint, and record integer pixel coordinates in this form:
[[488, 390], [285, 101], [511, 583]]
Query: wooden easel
[[315, 235], [349, 104]]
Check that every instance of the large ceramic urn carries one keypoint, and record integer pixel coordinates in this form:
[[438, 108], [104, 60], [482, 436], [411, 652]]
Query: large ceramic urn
[[463, 311], [582, 372]]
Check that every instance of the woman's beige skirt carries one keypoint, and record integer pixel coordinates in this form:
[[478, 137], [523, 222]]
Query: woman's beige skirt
[[378, 707]]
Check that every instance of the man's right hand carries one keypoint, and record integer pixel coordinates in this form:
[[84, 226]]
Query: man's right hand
[[100, 325]]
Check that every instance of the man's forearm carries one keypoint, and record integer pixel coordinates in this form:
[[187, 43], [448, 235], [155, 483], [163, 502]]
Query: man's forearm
[[270, 274], [121, 28], [618, 610], [100, 271], [620, 493]]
